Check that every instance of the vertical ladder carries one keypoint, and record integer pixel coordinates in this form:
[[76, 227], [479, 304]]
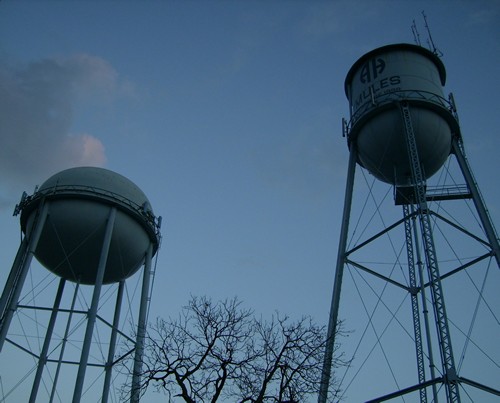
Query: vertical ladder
[[414, 302], [450, 378]]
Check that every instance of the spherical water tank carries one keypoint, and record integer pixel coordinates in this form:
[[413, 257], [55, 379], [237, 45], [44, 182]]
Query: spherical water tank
[[376, 85], [79, 203]]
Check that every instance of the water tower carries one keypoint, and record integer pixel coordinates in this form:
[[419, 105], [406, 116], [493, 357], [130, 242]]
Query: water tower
[[402, 131], [94, 229]]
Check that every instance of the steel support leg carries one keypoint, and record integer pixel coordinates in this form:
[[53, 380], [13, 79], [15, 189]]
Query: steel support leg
[[488, 227], [425, 311], [141, 328], [13, 278], [339, 272], [63, 344], [42, 360], [414, 302], [92, 314], [112, 343], [446, 350], [12, 296]]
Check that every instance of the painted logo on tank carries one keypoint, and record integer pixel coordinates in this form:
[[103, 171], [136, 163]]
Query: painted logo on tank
[[376, 82], [371, 70]]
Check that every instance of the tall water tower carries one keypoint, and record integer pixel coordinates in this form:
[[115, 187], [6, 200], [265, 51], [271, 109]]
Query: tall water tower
[[94, 229], [402, 131]]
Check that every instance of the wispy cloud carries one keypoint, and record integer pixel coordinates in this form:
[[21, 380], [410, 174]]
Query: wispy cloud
[[37, 105]]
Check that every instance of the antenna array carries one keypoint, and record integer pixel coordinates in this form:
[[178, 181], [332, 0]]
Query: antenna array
[[430, 42]]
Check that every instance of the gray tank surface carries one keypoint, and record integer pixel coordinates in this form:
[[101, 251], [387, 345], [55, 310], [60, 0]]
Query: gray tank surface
[[375, 85], [80, 200]]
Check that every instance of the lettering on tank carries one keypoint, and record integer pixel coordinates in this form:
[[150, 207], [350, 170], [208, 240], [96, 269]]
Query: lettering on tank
[[371, 69], [376, 85]]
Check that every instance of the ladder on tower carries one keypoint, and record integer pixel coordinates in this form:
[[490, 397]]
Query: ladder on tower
[[450, 378], [414, 290]]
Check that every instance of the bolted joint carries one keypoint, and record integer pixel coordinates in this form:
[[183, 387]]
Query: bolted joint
[[451, 376]]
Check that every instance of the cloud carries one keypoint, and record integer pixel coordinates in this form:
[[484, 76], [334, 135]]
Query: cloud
[[37, 105], [85, 150]]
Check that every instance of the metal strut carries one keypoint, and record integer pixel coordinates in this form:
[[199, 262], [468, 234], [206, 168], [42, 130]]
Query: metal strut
[[414, 302], [484, 216], [449, 371], [19, 271]]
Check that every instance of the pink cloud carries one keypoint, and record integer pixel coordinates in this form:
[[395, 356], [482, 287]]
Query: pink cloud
[[37, 104]]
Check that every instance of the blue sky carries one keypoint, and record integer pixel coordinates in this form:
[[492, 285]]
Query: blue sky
[[227, 114]]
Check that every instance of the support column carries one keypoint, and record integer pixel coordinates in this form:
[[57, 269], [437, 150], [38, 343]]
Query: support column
[[92, 314], [141, 328], [448, 363], [12, 296], [425, 310], [112, 343], [414, 301], [339, 272], [10, 285], [42, 360], [63, 345], [477, 199]]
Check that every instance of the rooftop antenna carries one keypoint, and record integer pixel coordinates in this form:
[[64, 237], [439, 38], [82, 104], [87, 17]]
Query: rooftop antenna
[[430, 42], [416, 35]]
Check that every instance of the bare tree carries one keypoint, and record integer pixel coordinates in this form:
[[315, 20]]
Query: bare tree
[[216, 351], [289, 365]]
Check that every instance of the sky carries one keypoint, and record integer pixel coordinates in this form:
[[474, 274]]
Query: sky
[[227, 114]]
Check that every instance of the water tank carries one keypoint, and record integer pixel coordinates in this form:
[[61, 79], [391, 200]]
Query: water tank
[[80, 200], [375, 86]]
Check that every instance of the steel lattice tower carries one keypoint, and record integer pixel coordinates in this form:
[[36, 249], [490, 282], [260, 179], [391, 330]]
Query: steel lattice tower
[[402, 130], [93, 229]]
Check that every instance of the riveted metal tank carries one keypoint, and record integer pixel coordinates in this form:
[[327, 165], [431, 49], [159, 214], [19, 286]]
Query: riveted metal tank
[[79, 202], [375, 86]]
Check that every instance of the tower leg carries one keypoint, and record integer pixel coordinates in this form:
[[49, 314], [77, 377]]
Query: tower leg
[[339, 272], [63, 345], [425, 311], [11, 296], [10, 285], [449, 370], [141, 328], [477, 199], [92, 314], [414, 301], [112, 343], [42, 360]]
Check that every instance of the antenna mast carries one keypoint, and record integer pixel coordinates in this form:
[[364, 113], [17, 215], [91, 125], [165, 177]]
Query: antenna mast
[[416, 35], [432, 46]]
